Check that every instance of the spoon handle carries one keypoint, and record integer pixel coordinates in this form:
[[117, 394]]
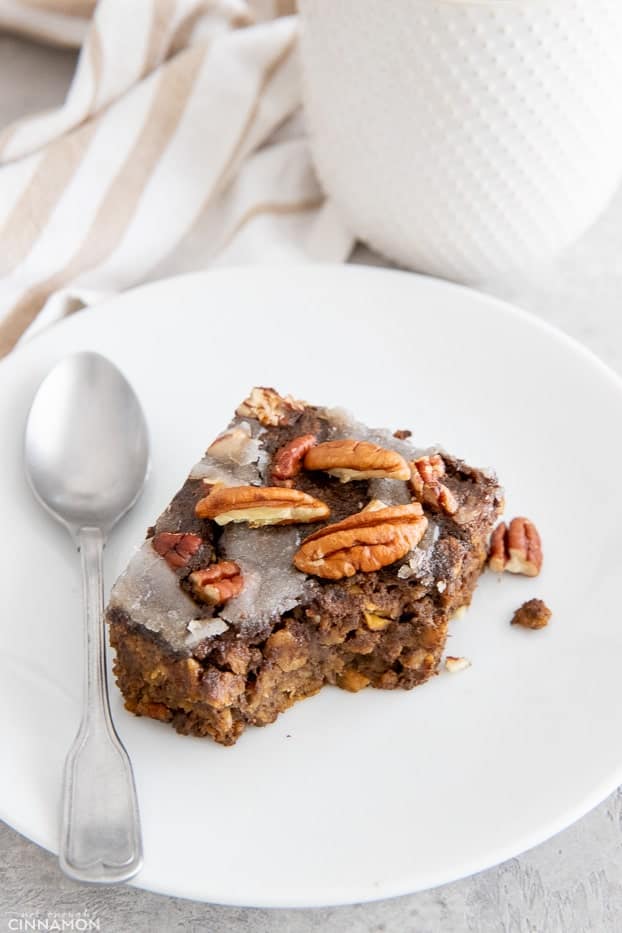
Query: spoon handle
[[100, 835]]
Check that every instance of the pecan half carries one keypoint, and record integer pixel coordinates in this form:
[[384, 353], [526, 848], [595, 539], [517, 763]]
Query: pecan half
[[516, 549], [363, 542], [288, 459], [425, 482], [269, 408], [260, 505], [217, 583], [533, 614], [349, 459], [176, 548]]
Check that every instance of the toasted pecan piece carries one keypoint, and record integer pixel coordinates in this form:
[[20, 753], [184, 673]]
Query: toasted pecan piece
[[350, 459], [176, 547], [260, 505], [270, 408], [288, 459], [363, 542], [217, 583], [516, 549], [425, 482], [533, 614]]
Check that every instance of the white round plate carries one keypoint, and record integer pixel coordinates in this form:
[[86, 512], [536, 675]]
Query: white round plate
[[346, 797]]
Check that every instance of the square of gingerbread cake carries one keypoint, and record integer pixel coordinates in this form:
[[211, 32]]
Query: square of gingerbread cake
[[304, 549]]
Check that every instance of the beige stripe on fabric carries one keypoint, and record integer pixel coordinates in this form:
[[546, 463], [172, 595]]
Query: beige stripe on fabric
[[264, 81], [267, 76], [163, 13], [242, 19], [95, 50], [116, 211], [34, 208], [67, 7], [183, 30], [285, 7], [47, 28], [270, 207]]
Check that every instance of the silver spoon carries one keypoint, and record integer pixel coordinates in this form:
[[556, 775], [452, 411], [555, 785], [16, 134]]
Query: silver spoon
[[87, 456]]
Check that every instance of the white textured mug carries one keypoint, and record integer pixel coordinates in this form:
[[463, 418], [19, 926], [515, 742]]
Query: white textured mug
[[465, 138]]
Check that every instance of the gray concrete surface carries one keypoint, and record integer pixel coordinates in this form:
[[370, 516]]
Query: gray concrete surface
[[571, 884]]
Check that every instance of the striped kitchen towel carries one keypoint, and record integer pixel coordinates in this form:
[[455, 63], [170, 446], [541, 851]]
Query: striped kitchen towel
[[180, 145]]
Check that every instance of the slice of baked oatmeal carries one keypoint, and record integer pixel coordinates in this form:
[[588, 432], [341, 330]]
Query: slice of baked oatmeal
[[304, 549]]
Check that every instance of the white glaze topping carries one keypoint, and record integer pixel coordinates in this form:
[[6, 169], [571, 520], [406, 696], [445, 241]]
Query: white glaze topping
[[272, 585], [149, 592]]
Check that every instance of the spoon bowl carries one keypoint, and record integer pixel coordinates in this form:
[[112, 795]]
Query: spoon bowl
[[87, 445]]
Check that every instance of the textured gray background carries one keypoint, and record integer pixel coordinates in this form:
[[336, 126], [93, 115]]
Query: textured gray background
[[571, 884]]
